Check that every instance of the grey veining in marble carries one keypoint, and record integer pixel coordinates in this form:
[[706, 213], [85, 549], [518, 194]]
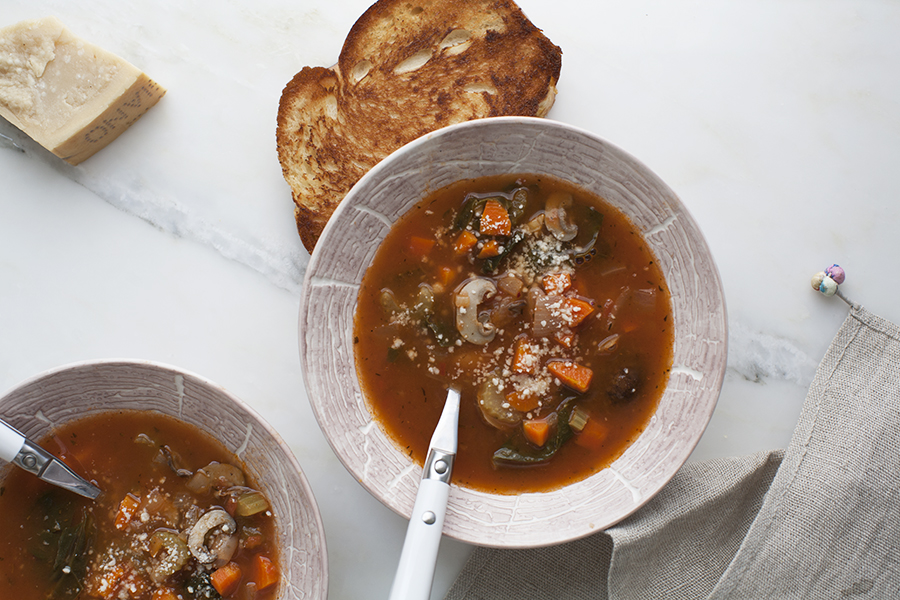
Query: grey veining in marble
[[775, 122]]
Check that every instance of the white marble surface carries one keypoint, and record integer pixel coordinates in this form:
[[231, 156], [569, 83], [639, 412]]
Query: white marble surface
[[776, 121]]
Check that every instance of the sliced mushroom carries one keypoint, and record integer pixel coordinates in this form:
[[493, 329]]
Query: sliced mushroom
[[581, 255], [466, 301], [167, 456], [557, 218], [213, 538], [608, 345]]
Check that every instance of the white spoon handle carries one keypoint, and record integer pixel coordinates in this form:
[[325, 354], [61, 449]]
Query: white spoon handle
[[415, 573], [10, 442]]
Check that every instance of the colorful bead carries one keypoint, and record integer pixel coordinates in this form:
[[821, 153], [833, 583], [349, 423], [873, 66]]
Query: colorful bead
[[821, 282], [829, 286], [817, 280], [836, 273]]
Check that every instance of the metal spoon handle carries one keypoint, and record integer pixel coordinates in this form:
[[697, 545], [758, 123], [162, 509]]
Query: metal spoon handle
[[19, 450]]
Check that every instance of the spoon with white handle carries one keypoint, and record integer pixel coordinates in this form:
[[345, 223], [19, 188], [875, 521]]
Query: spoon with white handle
[[19, 450], [415, 573]]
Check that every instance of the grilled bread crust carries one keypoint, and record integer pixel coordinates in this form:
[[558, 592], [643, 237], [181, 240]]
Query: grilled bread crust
[[407, 67]]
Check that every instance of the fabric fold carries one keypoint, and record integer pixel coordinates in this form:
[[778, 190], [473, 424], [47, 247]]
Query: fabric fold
[[830, 524], [818, 520], [681, 542]]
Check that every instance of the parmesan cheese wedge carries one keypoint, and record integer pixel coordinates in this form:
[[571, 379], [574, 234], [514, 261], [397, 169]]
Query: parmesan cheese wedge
[[70, 96]]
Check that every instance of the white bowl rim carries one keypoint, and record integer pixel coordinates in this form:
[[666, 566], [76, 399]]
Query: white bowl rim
[[271, 431], [345, 205]]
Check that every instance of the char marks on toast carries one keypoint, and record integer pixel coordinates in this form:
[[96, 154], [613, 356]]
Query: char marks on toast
[[406, 68]]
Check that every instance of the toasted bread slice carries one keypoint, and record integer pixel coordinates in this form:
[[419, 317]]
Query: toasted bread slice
[[407, 67]]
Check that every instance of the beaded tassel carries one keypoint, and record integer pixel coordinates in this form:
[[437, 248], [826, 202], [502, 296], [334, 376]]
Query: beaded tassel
[[828, 282]]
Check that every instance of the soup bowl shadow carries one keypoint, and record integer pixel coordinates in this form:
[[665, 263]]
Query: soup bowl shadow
[[496, 146], [70, 392]]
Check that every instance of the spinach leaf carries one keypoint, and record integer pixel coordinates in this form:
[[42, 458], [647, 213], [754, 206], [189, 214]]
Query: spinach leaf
[[474, 203], [200, 587], [517, 204], [518, 452], [467, 212], [444, 334], [62, 543], [490, 265]]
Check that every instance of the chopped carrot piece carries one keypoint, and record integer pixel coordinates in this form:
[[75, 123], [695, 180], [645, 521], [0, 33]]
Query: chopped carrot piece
[[465, 241], [629, 326], [490, 249], [226, 579], [253, 540], [523, 401], [564, 337], [578, 377], [525, 357], [556, 283], [446, 276], [164, 594], [536, 431], [266, 572], [127, 507], [575, 311], [495, 219], [592, 435], [420, 246], [105, 584]]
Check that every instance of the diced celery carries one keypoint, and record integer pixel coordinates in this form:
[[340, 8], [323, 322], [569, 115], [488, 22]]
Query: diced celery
[[251, 503], [578, 419]]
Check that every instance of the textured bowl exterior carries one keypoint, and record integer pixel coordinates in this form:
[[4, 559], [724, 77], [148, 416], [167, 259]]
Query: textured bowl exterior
[[490, 147], [55, 397]]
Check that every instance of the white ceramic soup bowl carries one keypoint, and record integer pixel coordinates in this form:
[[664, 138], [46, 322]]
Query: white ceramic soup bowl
[[490, 147], [70, 392]]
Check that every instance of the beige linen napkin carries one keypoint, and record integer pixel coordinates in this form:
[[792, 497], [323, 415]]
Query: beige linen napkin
[[819, 520]]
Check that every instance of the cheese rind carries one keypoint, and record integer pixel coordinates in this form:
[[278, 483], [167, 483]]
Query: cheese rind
[[70, 96]]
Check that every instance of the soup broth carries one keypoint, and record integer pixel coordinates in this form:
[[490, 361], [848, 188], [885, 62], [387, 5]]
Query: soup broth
[[542, 304], [178, 519]]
